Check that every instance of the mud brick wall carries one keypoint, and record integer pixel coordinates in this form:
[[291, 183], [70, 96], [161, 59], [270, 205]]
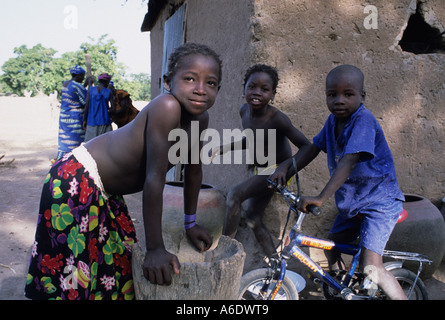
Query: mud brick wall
[[396, 43]]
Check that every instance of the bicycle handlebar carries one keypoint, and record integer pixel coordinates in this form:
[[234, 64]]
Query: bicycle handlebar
[[316, 211]]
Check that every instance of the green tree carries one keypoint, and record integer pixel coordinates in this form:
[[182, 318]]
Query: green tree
[[25, 72], [139, 86], [36, 69], [103, 54]]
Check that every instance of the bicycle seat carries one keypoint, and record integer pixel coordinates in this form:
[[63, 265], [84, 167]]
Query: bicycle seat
[[402, 215]]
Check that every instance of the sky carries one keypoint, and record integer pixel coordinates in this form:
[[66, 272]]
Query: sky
[[64, 25]]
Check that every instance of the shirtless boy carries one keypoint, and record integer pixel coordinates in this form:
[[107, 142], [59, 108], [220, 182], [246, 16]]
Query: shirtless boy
[[260, 84]]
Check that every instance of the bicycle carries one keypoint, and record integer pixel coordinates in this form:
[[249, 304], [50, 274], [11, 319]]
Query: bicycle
[[271, 283]]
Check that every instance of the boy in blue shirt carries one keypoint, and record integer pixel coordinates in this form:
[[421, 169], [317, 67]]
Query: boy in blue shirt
[[363, 176]]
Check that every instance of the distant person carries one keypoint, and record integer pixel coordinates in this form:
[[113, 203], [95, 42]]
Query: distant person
[[100, 99], [123, 111], [74, 95]]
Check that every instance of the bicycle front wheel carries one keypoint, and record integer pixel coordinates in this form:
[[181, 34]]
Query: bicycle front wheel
[[253, 281]]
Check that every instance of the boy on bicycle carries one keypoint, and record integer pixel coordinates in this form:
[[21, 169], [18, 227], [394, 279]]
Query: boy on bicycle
[[363, 176]]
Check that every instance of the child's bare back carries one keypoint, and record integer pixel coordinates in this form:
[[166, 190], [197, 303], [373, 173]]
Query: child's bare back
[[121, 155]]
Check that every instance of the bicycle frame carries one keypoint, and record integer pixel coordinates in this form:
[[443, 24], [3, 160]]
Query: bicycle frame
[[306, 241], [297, 239], [293, 249]]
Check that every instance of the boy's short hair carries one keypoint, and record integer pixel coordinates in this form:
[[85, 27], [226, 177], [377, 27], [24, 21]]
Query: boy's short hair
[[271, 71], [176, 57], [348, 69]]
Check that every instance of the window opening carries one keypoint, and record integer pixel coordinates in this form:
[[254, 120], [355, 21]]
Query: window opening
[[421, 38]]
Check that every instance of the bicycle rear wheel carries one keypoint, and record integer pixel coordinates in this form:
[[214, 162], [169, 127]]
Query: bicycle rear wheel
[[253, 281], [406, 279]]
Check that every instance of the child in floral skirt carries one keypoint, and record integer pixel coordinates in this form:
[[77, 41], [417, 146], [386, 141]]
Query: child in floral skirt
[[82, 248]]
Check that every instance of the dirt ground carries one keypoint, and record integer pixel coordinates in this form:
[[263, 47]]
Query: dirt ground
[[28, 134]]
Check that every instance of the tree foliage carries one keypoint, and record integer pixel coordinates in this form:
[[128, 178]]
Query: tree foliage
[[25, 71], [36, 69]]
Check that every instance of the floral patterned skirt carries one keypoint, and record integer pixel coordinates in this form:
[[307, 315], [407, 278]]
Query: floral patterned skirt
[[82, 247]]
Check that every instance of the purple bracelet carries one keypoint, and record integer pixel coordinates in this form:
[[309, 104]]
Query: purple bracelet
[[189, 221]]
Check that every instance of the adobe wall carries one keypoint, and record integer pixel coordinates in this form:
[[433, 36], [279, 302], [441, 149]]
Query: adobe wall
[[305, 39], [222, 25]]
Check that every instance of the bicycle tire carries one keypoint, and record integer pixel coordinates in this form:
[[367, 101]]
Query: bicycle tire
[[406, 278], [253, 281]]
